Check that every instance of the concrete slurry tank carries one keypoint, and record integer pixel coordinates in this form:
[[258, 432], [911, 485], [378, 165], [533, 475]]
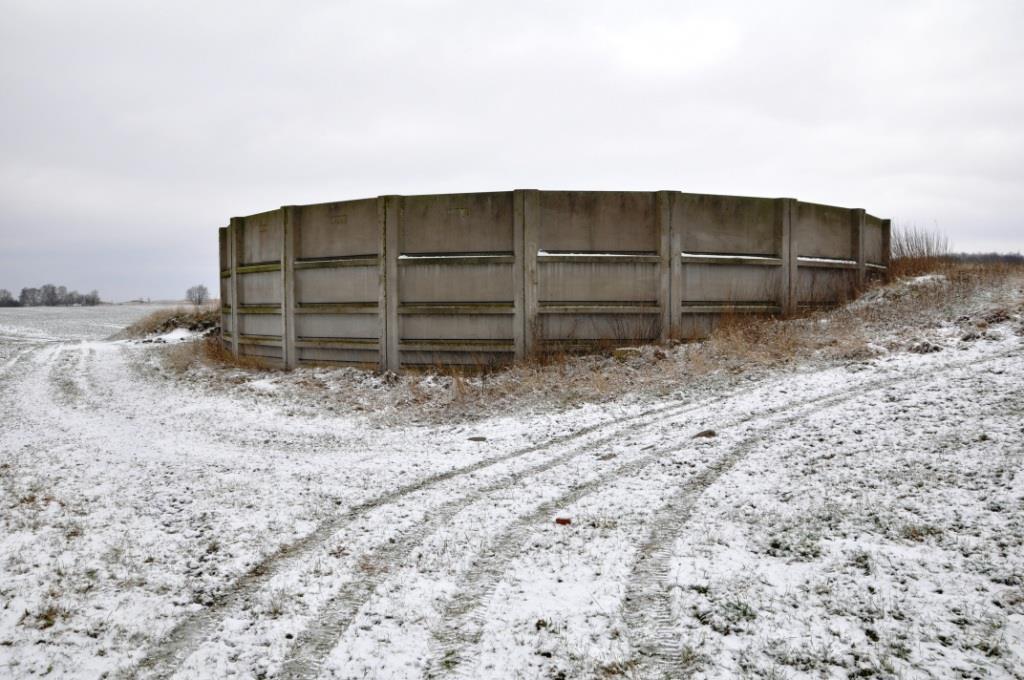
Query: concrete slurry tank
[[483, 278]]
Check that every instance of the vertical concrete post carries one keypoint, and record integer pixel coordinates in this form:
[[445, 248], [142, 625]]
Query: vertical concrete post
[[518, 275], [677, 283], [531, 244], [783, 241], [236, 230], [663, 204], [392, 231], [887, 248], [857, 223], [382, 298], [789, 254], [292, 218], [224, 282]]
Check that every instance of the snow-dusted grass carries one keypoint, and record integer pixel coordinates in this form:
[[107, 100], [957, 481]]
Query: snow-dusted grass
[[166, 321], [859, 508]]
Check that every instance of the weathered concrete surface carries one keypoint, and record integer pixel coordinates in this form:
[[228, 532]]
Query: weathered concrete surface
[[488, 277], [874, 247], [725, 224]]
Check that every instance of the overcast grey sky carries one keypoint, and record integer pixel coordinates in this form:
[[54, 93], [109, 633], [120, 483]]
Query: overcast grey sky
[[132, 130]]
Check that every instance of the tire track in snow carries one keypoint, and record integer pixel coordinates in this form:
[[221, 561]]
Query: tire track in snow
[[312, 646], [189, 633], [464, 616], [9, 403], [10, 363], [64, 376], [7, 369], [35, 398], [647, 605]]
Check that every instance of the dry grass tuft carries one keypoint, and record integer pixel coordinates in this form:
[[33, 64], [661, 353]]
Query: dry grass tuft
[[742, 342], [209, 351], [166, 320], [917, 251]]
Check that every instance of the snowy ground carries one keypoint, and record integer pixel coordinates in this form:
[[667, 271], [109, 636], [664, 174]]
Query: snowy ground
[[848, 517]]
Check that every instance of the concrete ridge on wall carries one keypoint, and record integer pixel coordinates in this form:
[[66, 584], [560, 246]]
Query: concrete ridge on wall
[[489, 277]]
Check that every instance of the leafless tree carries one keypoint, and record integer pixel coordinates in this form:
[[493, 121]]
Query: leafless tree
[[198, 295], [52, 296], [48, 293]]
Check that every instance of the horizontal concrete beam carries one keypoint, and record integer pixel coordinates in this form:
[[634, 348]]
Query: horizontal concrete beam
[[486, 308], [336, 308], [333, 262], [260, 267]]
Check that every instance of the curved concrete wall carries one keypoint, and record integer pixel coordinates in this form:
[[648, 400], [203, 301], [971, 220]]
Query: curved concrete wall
[[488, 277]]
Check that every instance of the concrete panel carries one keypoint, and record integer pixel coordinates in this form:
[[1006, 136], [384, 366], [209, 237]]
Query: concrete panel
[[262, 238], [455, 283], [875, 275], [873, 240], [613, 327], [599, 221], [595, 282], [260, 288], [222, 242], [337, 284], [340, 229], [725, 224], [731, 283], [313, 355], [260, 324], [696, 326], [261, 351], [225, 292], [225, 323], [457, 223], [461, 327], [477, 360], [337, 325], [824, 286], [823, 231]]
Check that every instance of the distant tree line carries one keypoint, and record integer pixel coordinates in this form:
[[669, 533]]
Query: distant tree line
[[988, 258], [48, 295]]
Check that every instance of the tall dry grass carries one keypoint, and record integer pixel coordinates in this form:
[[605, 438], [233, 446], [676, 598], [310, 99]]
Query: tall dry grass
[[165, 320], [917, 251], [210, 351]]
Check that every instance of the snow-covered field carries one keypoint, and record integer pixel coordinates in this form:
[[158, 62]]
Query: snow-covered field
[[858, 517]]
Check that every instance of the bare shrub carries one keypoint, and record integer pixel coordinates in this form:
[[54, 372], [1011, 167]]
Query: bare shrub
[[917, 251], [198, 295]]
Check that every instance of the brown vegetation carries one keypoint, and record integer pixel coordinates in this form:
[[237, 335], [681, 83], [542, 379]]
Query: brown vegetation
[[210, 351], [166, 320], [917, 251], [886, 317]]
